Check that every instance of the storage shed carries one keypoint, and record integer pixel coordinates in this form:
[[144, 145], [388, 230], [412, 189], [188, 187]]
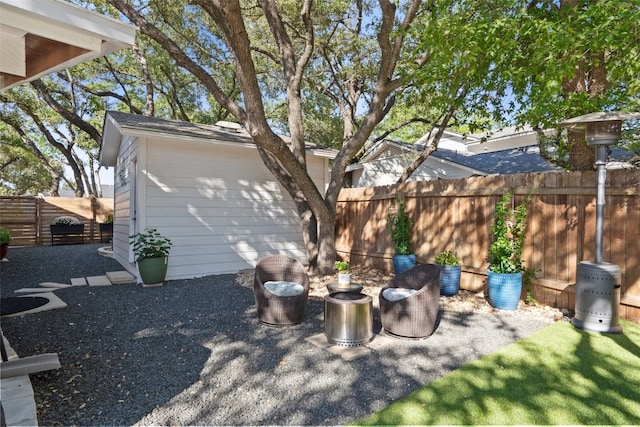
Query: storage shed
[[206, 188]]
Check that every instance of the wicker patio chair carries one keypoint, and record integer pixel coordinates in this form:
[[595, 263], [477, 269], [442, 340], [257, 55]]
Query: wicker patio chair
[[286, 303], [409, 302]]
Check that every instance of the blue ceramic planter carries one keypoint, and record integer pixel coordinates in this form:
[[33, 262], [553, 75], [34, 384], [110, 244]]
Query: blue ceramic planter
[[403, 262], [504, 289], [449, 279]]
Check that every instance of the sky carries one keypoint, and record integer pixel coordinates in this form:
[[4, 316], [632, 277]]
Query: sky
[[106, 176]]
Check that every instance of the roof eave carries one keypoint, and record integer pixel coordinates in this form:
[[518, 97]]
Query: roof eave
[[86, 33]]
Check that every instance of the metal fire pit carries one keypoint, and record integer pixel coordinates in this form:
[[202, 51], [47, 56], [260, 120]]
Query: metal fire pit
[[597, 297], [348, 318]]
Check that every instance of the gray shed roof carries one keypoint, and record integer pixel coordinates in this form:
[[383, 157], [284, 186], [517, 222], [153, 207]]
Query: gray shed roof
[[117, 124]]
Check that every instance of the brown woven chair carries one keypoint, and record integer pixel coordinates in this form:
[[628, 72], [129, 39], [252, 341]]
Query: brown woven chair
[[414, 315], [278, 310]]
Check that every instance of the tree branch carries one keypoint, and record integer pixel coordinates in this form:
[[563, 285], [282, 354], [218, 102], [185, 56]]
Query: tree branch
[[400, 126], [66, 114], [179, 56]]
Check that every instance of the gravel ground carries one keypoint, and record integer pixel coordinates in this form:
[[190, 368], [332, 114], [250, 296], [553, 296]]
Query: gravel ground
[[193, 353]]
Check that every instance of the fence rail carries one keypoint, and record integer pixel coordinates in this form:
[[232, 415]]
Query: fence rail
[[457, 215], [28, 218], [446, 214]]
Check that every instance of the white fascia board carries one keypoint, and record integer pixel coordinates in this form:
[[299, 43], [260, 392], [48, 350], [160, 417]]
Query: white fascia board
[[449, 133], [354, 167], [111, 140], [44, 27], [12, 51], [66, 23], [381, 146], [328, 153]]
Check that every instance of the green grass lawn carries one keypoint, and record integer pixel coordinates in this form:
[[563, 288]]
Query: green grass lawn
[[558, 375]]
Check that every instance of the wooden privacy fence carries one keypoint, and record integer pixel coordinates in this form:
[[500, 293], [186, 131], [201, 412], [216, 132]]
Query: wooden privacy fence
[[28, 218], [457, 215]]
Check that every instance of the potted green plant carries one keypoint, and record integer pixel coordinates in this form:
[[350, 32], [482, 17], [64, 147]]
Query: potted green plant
[[506, 266], [400, 229], [151, 250], [5, 239], [450, 270], [344, 273]]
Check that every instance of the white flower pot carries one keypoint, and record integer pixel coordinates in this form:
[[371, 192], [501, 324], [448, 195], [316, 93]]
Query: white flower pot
[[344, 279]]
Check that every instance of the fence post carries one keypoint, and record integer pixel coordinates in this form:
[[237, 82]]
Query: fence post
[[38, 221], [92, 221]]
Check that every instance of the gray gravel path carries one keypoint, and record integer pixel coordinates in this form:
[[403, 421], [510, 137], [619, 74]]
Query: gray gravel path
[[193, 353]]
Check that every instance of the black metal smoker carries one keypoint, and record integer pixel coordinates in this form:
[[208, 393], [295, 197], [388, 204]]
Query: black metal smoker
[[598, 283]]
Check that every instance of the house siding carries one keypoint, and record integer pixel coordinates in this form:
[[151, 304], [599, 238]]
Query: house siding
[[218, 203], [387, 170], [122, 203]]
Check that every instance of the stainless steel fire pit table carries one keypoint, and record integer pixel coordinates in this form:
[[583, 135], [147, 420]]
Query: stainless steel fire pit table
[[348, 318]]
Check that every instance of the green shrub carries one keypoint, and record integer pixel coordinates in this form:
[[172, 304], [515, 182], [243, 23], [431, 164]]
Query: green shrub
[[342, 266], [400, 228], [5, 236], [149, 244], [447, 258], [508, 235]]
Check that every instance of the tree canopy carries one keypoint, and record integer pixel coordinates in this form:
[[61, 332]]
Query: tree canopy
[[339, 73]]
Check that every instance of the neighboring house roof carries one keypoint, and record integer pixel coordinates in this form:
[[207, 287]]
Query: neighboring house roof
[[504, 162], [376, 154], [39, 37], [502, 152], [117, 124], [384, 161], [511, 161], [450, 140]]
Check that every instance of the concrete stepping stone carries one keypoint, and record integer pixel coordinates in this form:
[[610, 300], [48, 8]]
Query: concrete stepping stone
[[381, 342], [319, 340], [33, 290], [18, 403], [79, 281], [98, 281], [54, 285], [120, 277], [347, 353]]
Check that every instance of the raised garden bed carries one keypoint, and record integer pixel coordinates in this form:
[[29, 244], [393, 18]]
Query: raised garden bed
[[66, 234]]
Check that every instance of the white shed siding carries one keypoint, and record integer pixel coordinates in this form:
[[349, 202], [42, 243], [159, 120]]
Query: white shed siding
[[221, 207], [122, 203]]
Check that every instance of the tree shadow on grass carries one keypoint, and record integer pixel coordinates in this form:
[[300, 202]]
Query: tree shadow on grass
[[559, 375]]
